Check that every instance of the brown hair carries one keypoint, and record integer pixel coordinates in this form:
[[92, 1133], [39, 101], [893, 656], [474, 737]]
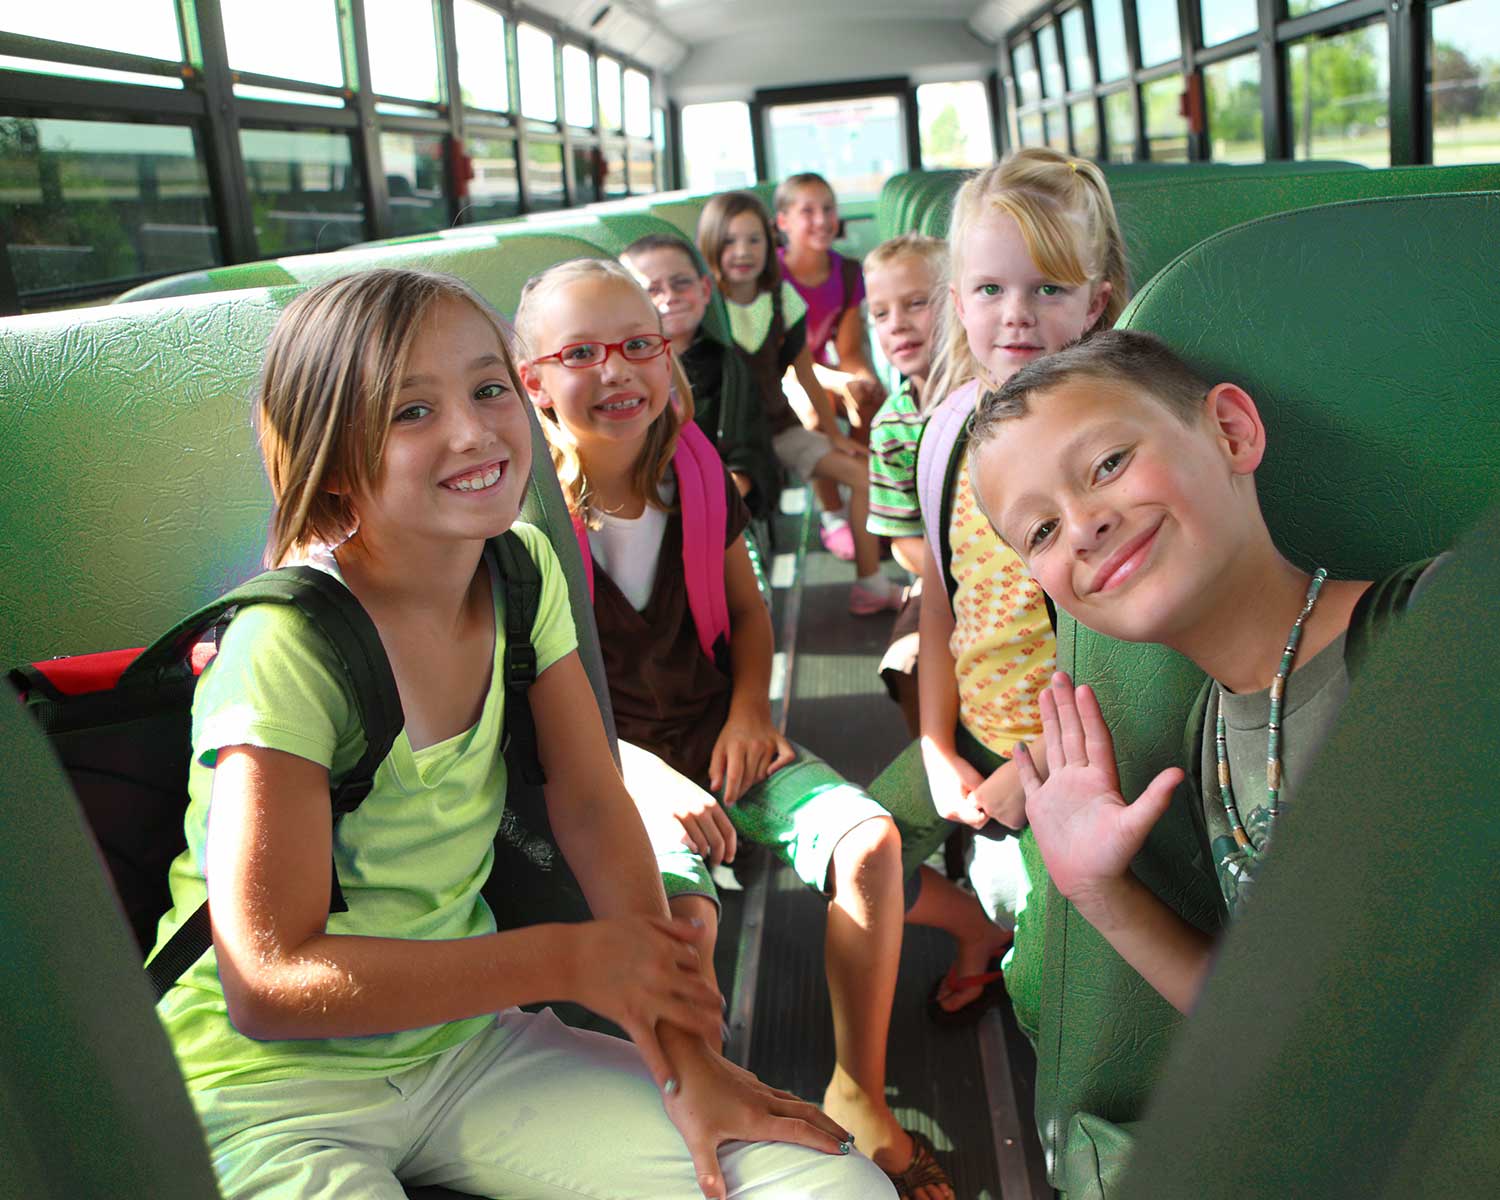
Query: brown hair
[[327, 387], [666, 241], [1132, 357], [661, 438], [1063, 207], [713, 232]]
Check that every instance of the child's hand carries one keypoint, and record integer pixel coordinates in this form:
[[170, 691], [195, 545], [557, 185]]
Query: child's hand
[[748, 749], [718, 1102], [1002, 797], [1086, 832], [846, 445], [639, 971], [865, 392], [705, 825], [952, 783]]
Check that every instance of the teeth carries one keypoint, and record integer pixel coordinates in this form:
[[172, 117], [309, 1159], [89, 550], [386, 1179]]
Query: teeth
[[619, 405], [477, 483]]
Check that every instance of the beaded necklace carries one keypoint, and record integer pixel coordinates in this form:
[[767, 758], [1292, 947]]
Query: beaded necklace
[[1273, 735]]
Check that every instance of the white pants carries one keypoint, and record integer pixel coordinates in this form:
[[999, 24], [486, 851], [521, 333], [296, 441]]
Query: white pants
[[530, 1108]]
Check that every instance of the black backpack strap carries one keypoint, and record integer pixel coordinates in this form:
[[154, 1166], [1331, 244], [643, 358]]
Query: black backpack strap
[[523, 593], [352, 636]]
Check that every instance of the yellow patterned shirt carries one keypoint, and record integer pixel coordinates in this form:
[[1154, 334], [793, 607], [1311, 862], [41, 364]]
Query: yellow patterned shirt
[[1002, 638]]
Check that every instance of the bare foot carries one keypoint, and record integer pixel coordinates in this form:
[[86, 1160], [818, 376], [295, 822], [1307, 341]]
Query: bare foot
[[973, 958], [876, 1131]]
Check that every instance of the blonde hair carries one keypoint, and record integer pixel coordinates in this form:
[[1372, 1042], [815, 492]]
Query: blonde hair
[[661, 438], [1067, 219], [326, 392], [932, 251], [786, 191]]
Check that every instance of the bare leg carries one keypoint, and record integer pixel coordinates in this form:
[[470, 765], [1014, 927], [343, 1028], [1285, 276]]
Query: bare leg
[[861, 954], [704, 909], [943, 905], [854, 474]]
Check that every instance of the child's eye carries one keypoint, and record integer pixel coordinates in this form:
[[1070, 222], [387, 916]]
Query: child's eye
[[989, 289], [1109, 465], [412, 412], [493, 391], [636, 344], [1040, 534], [877, 314], [1052, 289], [919, 302]]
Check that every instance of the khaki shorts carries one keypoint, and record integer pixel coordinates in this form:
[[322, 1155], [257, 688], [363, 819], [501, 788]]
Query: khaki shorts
[[799, 450]]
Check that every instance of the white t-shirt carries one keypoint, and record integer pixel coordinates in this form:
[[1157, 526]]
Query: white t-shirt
[[628, 548]]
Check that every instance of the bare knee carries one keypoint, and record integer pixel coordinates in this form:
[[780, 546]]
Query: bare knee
[[872, 847]]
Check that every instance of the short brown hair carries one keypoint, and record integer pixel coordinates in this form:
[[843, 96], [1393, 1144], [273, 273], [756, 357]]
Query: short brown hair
[[666, 241], [1128, 356], [713, 232], [326, 391]]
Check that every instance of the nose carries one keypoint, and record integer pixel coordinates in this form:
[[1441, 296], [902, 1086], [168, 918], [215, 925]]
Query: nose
[[1089, 523], [468, 428], [615, 365], [1018, 309]]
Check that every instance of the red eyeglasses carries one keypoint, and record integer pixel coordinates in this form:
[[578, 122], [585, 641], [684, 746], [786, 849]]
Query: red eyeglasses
[[579, 355]]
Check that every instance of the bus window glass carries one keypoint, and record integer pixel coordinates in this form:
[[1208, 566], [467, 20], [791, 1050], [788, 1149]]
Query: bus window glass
[[855, 144], [303, 192], [1028, 80], [718, 153], [1156, 21], [537, 68], [637, 105], [954, 120], [1166, 127], [1033, 132], [1300, 8], [1119, 125], [403, 49], [586, 163], [1057, 128], [1340, 96], [1224, 20], [611, 112], [1463, 82], [578, 87], [641, 168], [616, 182], [144, 27], [1109, 31], [1076, 50], [483, 72], [413, 165], [545, 187], [1012, 119], [1232, 89], [1085, 129], [1052, 70], [88, 202], [255, 37], [495, 191]]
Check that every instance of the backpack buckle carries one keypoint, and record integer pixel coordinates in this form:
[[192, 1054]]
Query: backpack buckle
[[520, 665]]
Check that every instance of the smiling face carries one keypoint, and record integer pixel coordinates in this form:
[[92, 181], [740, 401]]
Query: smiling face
[[458, 454], [1011, 312], [901, 309], [613, 401], [811, 220], [670, 277], [745, 248], [1130, 519]]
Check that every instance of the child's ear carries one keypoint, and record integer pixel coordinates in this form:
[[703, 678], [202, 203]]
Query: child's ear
[[958, 302], [1097, 305], [1237, 424], [532, 382]]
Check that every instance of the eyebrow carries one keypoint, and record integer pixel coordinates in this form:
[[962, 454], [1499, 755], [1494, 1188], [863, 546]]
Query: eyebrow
[[484, 360], [1030, 500]]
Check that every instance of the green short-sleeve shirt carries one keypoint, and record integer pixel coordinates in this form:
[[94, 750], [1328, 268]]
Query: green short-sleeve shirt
[[411, 859], [894, 434]]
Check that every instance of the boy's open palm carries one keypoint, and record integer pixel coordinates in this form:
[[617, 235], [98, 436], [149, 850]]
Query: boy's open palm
[[1086, 832]]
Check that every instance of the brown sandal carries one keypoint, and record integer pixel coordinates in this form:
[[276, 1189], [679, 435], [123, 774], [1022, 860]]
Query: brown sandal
[[922, 1171]]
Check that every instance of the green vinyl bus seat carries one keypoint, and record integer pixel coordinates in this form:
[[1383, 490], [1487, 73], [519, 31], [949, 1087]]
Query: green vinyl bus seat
[[1370, 351], [1353, 1056], [137, 495]]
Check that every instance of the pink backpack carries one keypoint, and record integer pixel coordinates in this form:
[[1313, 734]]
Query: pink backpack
[[705, 511]]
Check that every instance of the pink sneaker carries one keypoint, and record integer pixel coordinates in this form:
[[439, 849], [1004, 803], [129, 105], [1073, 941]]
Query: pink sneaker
[[838, 540], [866, 601]]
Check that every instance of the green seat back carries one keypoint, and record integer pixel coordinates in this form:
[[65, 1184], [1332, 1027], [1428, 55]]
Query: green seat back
[[1352, 1056], [682, 215], [1161, 218], [1383, 448], [215, 279]]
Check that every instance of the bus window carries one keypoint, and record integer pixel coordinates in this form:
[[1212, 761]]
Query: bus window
[[483, 73], [718, 154], [855, 144], [1340, 92], [403, 49], [954, 119], [303, 191], [1232, 90], [1463, 82]]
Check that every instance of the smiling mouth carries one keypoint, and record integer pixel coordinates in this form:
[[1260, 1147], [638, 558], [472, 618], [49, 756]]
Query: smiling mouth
[[480, 479], [622, 406], [1126, 562]]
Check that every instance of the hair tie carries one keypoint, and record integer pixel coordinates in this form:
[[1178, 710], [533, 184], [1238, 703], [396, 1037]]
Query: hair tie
[[1073, 165]]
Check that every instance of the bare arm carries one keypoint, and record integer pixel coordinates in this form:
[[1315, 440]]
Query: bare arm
[[822, 406], [852, 345], [950, 779], [908, 552]]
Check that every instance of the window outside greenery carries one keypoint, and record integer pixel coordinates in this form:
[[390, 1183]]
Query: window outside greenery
[[304, 194], [414, 181], [1119, 125], [91, 202], [1232, 91], [1076, 50], [495, 190], [483, 73], [642, 170], [1057, 128], [954, 124], [545, 186], [1340, 96], [1463, 82], [403, 49], [1085, 129], [1166, 127], [1033, 131]]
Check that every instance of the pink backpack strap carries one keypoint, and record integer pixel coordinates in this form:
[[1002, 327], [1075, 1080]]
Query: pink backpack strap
[[705, 514], [934, 453], [581, 531]]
